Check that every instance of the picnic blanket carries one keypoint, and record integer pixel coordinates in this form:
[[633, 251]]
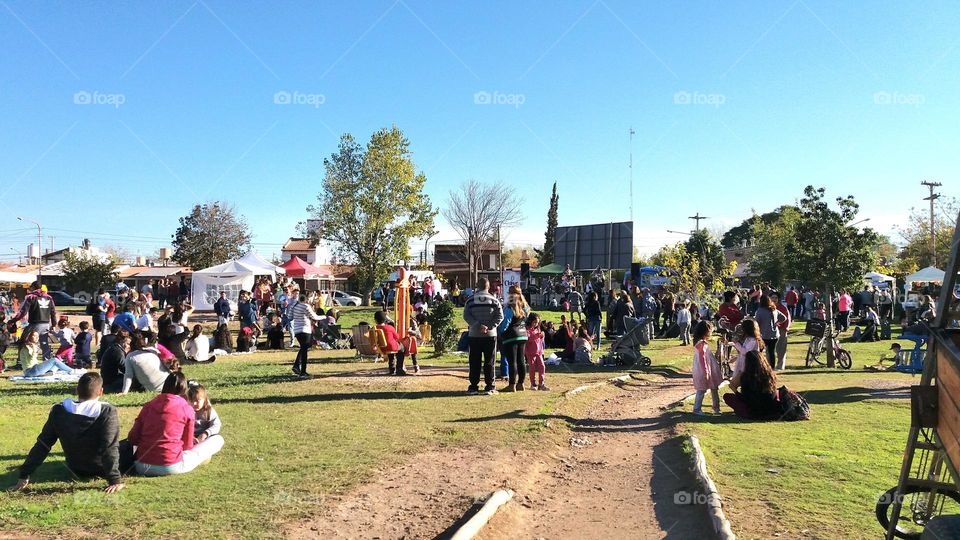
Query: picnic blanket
[[56, 378]]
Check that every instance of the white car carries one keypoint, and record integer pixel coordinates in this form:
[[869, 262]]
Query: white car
[[340, 298]]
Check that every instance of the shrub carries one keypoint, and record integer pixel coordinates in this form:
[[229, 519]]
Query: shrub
[[443, 328]]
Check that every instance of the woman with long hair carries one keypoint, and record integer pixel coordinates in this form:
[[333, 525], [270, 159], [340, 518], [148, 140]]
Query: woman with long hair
[[513, 339], [755, 389], [198, 346], [769, 320]]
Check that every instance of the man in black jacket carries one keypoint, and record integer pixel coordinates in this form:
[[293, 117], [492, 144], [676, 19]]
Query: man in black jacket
[[88, 431]]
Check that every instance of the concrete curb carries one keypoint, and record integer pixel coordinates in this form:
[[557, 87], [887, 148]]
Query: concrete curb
[[472, 527], [721, 526], [579, 389]]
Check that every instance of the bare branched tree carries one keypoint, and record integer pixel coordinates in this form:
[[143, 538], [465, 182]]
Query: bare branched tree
[[475, 210]]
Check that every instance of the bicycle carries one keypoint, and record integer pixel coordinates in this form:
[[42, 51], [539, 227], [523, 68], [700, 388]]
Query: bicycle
[[818, 347], [725, 350]]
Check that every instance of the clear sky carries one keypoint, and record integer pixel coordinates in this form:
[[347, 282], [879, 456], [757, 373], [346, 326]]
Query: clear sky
[[115, 118]]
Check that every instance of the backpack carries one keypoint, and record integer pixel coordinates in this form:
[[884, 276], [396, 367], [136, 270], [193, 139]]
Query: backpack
[[582, 356], [794, 406]]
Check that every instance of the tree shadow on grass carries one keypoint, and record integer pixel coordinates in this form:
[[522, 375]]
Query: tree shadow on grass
[[602, 425], [365, 396], [851, 394], [41, 389]]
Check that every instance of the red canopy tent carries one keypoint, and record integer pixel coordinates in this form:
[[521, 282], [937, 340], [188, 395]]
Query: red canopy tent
[[297, 267]]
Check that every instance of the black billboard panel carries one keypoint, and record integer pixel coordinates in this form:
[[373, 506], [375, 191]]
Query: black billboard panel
[[585, 247]]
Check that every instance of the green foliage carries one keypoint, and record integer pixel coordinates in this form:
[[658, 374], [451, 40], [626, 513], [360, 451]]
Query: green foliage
[[916, 232], [545, 255], [827, 248], [444, 329], [88, 273], [746, 230], [710, 261], [372, 203], [210, 234], [772, 258]]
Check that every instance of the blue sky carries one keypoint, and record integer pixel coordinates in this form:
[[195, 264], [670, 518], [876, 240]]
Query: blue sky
[[122, 116]]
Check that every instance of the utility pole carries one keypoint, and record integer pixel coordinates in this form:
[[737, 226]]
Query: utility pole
[[500, 258], [933, 233], [632, 132], [52, 238], [698, 217], [39, 247]]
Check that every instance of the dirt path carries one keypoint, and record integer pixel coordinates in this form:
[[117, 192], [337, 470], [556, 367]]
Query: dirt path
[[617, 478]]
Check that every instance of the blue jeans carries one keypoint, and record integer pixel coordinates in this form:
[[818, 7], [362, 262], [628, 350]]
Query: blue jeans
[[593, 325], [47, 365]]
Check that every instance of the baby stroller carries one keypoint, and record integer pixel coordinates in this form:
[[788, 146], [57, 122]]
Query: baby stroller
[[625, 351]]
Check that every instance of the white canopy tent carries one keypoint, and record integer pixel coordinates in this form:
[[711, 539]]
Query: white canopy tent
[[929, 274], [230, 277], [262, 266], [17, 277]]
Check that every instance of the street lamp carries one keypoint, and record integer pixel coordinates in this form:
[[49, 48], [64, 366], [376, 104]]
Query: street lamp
[[680, 232], [17, 253], [859, 222], [39, 247]]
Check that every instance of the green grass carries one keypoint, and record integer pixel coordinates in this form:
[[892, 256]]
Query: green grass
[[830, 470], [289, 443]]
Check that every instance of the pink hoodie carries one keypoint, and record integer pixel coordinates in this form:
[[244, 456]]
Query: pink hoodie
[[534, 346]]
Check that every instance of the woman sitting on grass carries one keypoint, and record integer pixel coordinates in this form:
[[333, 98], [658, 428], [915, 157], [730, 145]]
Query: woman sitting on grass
[[755, 395], [163, 433], [32, 361], [198, 346]]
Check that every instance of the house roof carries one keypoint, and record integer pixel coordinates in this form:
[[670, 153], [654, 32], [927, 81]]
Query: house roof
[[487, 246], [299, 244]]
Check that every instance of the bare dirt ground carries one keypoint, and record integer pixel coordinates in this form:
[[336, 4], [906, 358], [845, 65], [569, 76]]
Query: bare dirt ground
[[617, 477]]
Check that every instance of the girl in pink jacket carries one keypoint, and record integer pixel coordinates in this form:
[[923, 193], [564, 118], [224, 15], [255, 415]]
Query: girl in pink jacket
[[706, 370], [533, 352]]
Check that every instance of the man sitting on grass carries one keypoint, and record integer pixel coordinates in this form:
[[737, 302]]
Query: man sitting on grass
[[88, 431]]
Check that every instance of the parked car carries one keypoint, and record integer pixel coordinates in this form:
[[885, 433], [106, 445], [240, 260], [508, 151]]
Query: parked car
[[342, 298], [61, 298]]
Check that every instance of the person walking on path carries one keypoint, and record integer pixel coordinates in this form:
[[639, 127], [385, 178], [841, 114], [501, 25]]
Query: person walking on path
[[302, 317], [483, 314]]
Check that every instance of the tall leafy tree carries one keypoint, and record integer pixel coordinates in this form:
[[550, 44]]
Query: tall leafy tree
[[827, 247], [210, 234], [916, 233], [709, 254], [87, 273], [545, 255], [372, 204], [773, 256], [745, 231]]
